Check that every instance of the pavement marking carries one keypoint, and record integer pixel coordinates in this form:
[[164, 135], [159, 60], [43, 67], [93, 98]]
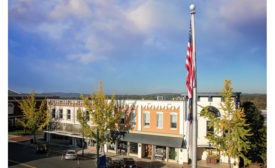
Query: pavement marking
[[22, 164]]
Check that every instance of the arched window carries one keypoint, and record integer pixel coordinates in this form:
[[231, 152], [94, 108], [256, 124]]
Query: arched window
[[217, 114], [211, 109]]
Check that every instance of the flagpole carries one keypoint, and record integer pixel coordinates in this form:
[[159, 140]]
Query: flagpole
[[194, 122]]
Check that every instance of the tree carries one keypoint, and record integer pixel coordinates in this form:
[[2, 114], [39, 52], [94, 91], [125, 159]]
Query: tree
[[34, 119], [103, 114], [83, 118], [230, 130], [257, 151]]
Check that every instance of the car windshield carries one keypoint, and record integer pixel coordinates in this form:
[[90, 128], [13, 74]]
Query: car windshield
[[70, 152]]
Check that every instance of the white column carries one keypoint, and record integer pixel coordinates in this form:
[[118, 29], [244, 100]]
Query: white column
[[139, 118], [167, 153], [105, 148], [116, 146], [153, 152], [139, 150], [183, 156]]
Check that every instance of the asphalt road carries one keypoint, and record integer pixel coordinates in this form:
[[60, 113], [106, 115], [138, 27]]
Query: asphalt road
[[25, 156]]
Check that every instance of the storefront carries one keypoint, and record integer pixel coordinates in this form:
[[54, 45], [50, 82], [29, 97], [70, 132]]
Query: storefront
[[133, 148], [160, 153], [156, 147]]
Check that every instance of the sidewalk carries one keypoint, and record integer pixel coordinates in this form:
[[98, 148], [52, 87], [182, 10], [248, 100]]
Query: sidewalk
[[90, 153], [15, 138], [147, 163]]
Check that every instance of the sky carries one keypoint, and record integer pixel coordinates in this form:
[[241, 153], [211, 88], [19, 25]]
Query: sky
[[135, 47]]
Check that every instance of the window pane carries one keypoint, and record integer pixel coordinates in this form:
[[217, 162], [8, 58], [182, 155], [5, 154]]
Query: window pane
[[159, 120], [173, 121], [122, 117], [68, 114], [133, 147], [146, 119], [209, 130], [60, 113], [53, 113], [133, 117]]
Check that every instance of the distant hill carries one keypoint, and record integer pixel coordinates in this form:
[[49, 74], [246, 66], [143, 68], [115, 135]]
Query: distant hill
[[258, 99]]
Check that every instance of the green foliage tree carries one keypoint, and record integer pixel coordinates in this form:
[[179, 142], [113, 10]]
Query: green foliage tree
[[103, 114], [230, 130], [34, 119], [257, 151], [83, 118]]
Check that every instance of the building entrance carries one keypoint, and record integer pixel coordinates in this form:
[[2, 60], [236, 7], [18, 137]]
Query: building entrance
[[146, 151]]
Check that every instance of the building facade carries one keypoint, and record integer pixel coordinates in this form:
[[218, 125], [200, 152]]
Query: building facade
[[151, 129]]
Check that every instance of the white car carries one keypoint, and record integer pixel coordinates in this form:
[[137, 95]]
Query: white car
[[70, 154]]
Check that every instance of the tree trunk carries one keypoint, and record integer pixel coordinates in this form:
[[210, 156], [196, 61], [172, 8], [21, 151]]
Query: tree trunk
[[229, 162], [34, 138], [83, 147]]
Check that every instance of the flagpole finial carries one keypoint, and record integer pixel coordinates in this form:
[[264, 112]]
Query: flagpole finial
[[192, 8]]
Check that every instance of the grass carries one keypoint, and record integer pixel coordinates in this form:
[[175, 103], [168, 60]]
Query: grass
[[19, 132]]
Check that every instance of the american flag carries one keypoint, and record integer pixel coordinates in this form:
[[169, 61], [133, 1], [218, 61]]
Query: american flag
[[190, 85], [190, 74]]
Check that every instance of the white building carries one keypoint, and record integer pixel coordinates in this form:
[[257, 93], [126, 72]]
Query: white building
[[152, 129]]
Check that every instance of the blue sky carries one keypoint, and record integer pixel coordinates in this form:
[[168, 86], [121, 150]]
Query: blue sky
[[135, 47]]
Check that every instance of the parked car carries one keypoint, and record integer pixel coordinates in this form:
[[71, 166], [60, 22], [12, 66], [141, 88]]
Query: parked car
[[41, 148], [128, 163], [116, 164], [70, 155]]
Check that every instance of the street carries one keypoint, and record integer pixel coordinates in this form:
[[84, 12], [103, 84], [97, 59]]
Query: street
[[22, 155], [25, 156]]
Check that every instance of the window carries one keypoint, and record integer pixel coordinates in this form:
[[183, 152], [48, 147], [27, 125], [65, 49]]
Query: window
[[133, 148], [146, 116], [68, 114], [122, 118], [173, 120], [53, 113], [210, 130], [88, 115], [211, 109], [111, 146], [60, 113], [172, 153], [133, 117], [159, 120]]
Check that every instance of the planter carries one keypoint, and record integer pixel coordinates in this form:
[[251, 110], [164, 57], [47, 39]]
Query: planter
[[212, 159]]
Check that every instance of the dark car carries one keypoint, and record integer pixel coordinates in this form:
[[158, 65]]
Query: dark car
[[116, 164], [128, 163], [41, 148]]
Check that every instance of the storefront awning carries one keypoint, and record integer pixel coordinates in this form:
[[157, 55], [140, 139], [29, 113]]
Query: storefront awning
[[176, 142]]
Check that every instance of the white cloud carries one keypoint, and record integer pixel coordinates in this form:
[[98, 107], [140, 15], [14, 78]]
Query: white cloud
[[98, 29], [69, 8], [241, 11], [153, 15], [84, 58], [54, 30]]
